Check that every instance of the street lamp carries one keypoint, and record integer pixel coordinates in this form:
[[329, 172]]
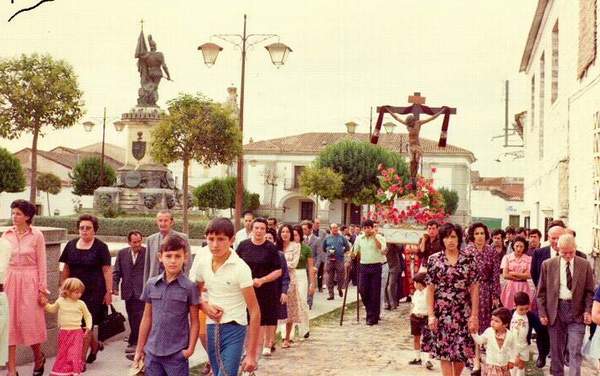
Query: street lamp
[[389, 127], [89, 125], [278, 52], [351, 127]]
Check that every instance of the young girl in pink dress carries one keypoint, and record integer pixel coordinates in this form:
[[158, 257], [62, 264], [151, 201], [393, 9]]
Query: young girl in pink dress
[[71, 310], [515, 270]]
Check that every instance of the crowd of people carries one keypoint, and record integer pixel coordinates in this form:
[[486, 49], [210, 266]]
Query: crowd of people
[[476, 297]]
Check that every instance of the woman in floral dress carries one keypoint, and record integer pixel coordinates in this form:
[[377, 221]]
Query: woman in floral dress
[[516, 270], [489, 283], [453, 301]]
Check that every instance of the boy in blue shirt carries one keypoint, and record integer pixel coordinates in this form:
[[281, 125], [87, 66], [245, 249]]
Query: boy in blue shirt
[[169, 327]]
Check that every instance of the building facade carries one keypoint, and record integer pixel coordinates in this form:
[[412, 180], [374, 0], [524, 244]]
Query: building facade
[[562, 130], [272, 169]]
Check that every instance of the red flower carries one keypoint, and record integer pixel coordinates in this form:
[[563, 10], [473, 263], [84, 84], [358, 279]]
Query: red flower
[[433, 170]]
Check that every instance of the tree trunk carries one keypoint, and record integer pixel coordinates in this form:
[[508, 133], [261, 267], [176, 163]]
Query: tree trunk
[[186, 166], [48, 200], [33, 186]]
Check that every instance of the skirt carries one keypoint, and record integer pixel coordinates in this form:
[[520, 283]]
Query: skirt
[[68, 358], [493, 370], [27, 321]]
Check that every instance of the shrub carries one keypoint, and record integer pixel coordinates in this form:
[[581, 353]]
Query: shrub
[[119, 226], [450, 200]]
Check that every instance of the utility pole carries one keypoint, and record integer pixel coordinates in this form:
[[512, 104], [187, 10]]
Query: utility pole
[[506, 113]]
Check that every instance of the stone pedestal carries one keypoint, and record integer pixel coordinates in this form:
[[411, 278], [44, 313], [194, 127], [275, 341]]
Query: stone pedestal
[[54, 237], [142, 184]]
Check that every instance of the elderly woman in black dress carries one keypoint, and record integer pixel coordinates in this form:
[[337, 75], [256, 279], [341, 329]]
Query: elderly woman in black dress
[[88, 259], [453, 301]]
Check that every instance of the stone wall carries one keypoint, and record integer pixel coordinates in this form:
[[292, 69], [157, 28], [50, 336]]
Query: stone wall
[[54, 237]]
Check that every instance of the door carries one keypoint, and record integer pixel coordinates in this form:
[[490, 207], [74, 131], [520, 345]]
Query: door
[[307, 209], [355, 214], [514, 220]]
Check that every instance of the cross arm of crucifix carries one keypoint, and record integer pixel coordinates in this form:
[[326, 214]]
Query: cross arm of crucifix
[[419, 122]]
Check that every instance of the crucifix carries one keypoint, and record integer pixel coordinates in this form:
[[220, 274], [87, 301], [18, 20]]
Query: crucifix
[[413, 124]]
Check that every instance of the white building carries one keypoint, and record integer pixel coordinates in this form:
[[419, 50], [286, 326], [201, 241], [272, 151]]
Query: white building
[[497, 201], [562, 131], [272, 168]]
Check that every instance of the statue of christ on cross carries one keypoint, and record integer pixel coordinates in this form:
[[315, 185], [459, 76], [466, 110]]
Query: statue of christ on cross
[[413, 125]]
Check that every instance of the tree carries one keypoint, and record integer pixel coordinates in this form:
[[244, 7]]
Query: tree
[[50, 184], [37, 91], [357, 162], [216, 194], [196, 129], [251, 201], [12, 178], [450, 200], [85, 177], [321, 182]]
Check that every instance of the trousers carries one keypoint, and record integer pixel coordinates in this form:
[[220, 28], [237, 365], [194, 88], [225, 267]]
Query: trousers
[[231, 341], [369, 286], [566, 334], [335, 275]]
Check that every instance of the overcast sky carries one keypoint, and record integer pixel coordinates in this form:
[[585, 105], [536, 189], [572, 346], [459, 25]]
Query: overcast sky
[[347, 56]]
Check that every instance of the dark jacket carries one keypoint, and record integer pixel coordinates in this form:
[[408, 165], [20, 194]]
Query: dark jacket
[[539, 256], [131, 275]]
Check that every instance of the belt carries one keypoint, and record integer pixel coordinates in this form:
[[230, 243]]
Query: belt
[[1, 287]]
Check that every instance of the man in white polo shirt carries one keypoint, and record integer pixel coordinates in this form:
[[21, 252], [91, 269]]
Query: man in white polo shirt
[[229, 291]]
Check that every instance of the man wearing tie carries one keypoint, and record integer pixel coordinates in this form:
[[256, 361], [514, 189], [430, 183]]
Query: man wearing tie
[[565, 292], [129, 270]]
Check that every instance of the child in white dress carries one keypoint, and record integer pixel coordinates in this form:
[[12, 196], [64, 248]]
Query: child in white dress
[[519, 325], [499, 343]]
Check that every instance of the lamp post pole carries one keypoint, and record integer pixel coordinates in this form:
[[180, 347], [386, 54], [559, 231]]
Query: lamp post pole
[[210, 51], [239, 187], [102, 155]]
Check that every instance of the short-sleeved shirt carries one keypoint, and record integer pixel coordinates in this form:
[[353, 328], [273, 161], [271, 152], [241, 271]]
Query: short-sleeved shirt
[[263, 259], [338, 243], [305, 254], [86, 264], [224, 286], [369, 254], [170, 309]]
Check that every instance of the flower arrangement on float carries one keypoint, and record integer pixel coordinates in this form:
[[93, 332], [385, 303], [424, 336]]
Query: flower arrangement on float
[[404, 208]]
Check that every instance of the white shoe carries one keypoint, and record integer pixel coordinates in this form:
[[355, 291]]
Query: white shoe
[[266, 351]]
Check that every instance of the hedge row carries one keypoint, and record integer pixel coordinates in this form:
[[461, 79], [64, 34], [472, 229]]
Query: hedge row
[[120, 226]]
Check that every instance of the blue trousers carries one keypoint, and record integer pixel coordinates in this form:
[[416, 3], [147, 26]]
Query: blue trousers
[[369, 286], [171, 365], [231, 340]]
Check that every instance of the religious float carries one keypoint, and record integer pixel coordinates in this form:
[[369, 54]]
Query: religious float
[[404, 208]]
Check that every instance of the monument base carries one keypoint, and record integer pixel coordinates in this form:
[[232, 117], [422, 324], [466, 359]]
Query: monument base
[[135, 200]]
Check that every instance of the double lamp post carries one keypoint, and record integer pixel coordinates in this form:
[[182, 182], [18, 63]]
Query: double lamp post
[[278, 52]]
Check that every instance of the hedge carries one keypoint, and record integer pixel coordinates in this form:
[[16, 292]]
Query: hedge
[[120, 226]]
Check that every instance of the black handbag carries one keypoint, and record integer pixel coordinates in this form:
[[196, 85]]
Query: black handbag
[[112, 325]]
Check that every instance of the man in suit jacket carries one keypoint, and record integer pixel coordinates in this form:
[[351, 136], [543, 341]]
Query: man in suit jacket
[[321, 257], [153, 267], [129, 270], [565, 293], [313, 242]]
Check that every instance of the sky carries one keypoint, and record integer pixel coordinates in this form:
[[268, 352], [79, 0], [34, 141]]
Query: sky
[[348, 56]]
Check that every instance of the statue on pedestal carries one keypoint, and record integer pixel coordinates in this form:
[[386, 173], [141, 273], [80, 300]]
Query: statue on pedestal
[[150, 65]]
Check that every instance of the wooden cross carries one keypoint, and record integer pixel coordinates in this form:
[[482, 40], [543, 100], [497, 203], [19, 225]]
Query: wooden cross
[[416, 108]]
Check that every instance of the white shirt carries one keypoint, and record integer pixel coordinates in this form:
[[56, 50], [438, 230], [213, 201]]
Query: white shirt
[[419, 303], [495, 355], [519, 325], [564, 293], [224, 287], [240, 236], [5, 253]]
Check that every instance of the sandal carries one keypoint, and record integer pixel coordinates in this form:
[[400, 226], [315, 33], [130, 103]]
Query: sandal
[[40, 370], [286, 345]]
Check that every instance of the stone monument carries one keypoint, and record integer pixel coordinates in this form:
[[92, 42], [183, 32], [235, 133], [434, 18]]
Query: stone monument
[[142, 184]]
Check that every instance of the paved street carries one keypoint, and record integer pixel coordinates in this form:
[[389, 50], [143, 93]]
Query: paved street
[[355, 350]]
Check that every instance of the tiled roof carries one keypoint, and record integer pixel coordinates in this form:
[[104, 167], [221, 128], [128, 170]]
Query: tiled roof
[[71, 159], [315, 142], [505, 187]]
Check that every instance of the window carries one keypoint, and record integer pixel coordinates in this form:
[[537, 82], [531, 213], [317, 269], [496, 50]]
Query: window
[[587, 36], [527, 222], [541, 105], [297, 172], [532, 124], [554, 92]]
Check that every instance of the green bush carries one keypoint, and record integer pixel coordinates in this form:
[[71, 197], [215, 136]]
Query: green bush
[[119, 226], [450, 200]]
